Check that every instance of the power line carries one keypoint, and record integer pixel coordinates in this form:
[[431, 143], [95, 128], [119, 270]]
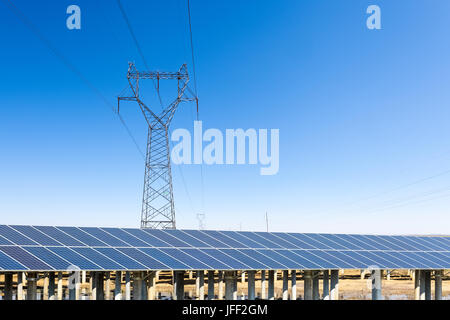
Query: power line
[[136, 42], [16, 11], [196, 97]]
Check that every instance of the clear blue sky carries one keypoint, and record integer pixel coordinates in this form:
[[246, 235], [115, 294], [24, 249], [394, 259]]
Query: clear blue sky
[[362, 114]]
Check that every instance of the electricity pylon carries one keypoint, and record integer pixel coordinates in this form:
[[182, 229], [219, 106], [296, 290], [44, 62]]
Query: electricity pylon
[[158, 210]]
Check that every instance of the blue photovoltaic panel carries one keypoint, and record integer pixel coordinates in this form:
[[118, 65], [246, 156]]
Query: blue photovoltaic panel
[[144, 236], [126, 237], [144, 259], [430, 242], [4, 241], [378, 261], [346, 245], [190, 260], [122, 259], [36, 235], [313, 243], [226, 240], [275, 264], [206, 238], [82, 236], [230, 261], [99, 259], [74, 258], [7, 263], [25, 258], [194, 242], [311, 256], [234, 240], [327, 242], [252, 263], [342, 255], [412, 260], [164, 236], [60, 236], [298, 243], [161, 255], [214, 263], [15, 237], [280, 256], [356, 241], [279, 241], [49, 257], [333, 259], [266, 243], [105, 237], [43, 248]]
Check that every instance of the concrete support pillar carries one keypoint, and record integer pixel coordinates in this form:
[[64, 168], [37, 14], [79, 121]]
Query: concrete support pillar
[[93, 284], [235, 285], [263, 285], [251, 285], [99, 286], [422, 285], [127, 285], [326, 285], [71, 285], [307, 280], [138, 283], [8, 291], [107, 285], [210, 285], [20, 281], [51, 286], [315, 285], [416, 284], [151, 285], [32, 286], [178, 285], [438, 284], [200, 281], [427, 285], [334, 290], [46, 282], [271, 294], [60, 286], [376, 277], [285, 294], [83, 285], [118, 286], [220, 285], [294, 285], [229, 285]]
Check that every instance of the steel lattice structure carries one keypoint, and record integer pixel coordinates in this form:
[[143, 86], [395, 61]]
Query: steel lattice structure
[[158, 210]]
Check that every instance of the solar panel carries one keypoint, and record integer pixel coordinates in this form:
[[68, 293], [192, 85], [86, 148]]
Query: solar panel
[[25, 258], [49, 257], [105, 237], [188, 259], [36, 235], [147, 238], [14, 236], [212, 262], [74, 258], [122, 259], [82, 236], [101, 260], [60, 236], [144, 259], [45, 248], [8, 263]]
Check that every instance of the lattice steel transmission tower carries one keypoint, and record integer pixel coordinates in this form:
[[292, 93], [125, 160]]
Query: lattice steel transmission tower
[[158, 209]]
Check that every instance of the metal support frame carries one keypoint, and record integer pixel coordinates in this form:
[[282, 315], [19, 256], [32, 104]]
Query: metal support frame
[[158, 210]]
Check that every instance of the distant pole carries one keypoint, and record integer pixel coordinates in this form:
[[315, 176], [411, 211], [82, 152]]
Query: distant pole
[[267, 222]]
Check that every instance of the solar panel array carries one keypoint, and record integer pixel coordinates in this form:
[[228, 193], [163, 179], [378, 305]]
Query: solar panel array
[[48, 248]]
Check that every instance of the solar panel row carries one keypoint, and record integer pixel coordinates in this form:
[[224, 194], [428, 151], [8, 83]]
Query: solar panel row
[[45, 248]]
